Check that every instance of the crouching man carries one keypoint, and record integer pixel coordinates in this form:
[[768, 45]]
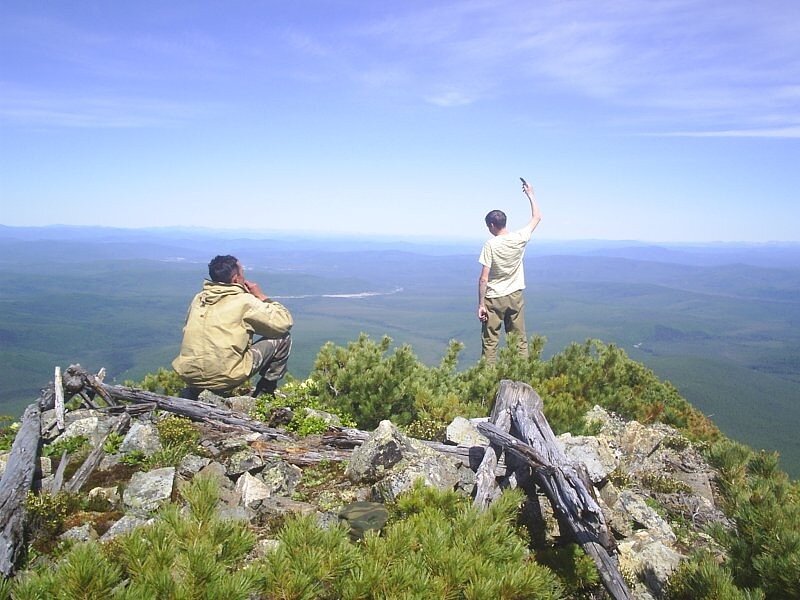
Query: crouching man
[[218, 352]]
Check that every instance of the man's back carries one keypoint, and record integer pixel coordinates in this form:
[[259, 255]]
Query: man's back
[[219, 327], [503, 254]]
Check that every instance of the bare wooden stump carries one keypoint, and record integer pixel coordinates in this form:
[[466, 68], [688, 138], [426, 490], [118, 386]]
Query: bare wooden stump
[[486, 486], [14, 487], [565, 485]]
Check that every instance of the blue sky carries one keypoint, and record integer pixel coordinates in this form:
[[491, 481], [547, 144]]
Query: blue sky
[[656, 121]]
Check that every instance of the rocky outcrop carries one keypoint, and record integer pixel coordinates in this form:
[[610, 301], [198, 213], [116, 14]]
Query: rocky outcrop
[[647, 479]]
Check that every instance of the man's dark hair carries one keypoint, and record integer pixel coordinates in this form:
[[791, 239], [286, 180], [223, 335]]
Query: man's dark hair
[[496, 218], [221, 269]]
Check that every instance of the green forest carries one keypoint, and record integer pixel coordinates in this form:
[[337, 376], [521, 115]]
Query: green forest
[[719, 323]]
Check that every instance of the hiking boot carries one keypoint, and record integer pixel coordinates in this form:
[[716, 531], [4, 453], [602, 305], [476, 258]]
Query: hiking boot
[[265, 386]]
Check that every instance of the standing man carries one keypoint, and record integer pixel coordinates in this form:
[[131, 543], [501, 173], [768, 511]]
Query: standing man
[[218, 352], [502, 279]]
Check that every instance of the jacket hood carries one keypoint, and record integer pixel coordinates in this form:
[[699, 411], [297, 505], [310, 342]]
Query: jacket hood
[[213, 292]]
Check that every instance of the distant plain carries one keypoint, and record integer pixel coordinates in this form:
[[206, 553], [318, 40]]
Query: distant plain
[[718, 321]]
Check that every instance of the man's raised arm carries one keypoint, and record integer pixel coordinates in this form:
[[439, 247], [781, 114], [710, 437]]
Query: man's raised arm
[[536, 215]]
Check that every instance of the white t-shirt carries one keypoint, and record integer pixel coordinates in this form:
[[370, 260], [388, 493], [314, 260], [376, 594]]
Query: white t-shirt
[[503, 255]]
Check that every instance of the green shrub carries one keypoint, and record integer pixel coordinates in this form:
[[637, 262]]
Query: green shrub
[[45, 516], [703, 579], [298, 396], [112, 442], [163, 381], [8, 430], [578, 572], [186, 554], [72, 445], [442, 548], [764, 547], [177, 431]]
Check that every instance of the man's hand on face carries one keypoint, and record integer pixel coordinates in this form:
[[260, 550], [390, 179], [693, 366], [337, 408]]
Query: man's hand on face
[[255, 289]]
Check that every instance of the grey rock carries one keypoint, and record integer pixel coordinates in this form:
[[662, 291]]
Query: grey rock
[[633, 509], [326, 417], [242, 404], [463, 432], [109, 495], [81, 533], [251, 490], [279, 505], [281, 478], [146, 492], [125, 525], [650, 559], [141, 437], [245, 460], [191, 465], [384, 448], [593, 453], [91, 424], [394, 462]]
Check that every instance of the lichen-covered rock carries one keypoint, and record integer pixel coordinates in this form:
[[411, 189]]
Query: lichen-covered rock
[[281, 478], [393, 462], [462, 432], [80, 533], [245, 460], [191, 465], [92, 424], [251, 490], [631, 513], [383, 449], [126, 524], [109, 496], [594, 453], [328, 418], [141, 437], [146, 492], [649, 558]]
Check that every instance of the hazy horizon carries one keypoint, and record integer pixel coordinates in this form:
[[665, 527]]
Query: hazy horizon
[[302, 235]]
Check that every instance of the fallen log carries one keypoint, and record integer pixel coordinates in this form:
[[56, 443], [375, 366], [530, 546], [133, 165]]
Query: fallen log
[[192, 409], [14, 487]]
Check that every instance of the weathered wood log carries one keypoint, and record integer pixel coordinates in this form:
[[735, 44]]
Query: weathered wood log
[[551, 479], [58, 477], [535, 431], [486, 487], [14, 487], [192, 409], [90, 464], [58, 386]]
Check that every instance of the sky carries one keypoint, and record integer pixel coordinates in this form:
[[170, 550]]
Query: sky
[[656, 121]]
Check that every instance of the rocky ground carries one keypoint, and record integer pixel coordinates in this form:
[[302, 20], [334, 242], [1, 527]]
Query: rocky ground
[[656, 491]]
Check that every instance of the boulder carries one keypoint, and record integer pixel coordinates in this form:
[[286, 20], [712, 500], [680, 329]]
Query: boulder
[[463, 432], [141, 437], [393, 462], [146, 492]]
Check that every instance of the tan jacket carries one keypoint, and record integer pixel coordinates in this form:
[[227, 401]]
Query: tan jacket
[[222, 319]]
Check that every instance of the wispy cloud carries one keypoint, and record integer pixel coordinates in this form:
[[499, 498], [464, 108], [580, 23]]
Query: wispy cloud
[[84, 110], [781, 132], [680, 60], [671, 65]]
